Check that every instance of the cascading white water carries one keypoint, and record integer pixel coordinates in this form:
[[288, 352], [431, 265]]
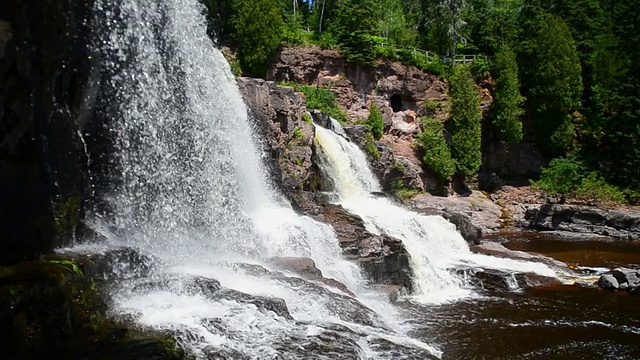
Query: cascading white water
[[189, 189], [434, 245]]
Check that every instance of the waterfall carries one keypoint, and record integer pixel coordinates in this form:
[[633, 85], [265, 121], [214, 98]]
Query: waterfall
[[434, 245], [187, 188]]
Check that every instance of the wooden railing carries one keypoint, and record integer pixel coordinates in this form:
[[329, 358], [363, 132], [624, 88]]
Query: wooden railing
[[431, 56]]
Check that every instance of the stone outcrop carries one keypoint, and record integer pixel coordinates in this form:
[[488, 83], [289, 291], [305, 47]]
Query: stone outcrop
[[287, 137], [383, 258], [584, 220], [44, 77], [474, 215], [399, 91], [621, 278]]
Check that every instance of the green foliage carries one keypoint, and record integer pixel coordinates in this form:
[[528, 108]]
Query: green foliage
[[307, 118], [595, 188], [432, 106], [432, 64], [402, 191], [480, 69], [466, 117], [321, 99], [374, 122], [562, 176], [353, 24], [370, 146], [507, 103], [437, 156], [258, 27], [297, 133], [553, 80], [569, 177], [68, 265]]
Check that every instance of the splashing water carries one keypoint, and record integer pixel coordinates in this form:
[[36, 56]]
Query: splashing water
[[187, 187], [434, 245]]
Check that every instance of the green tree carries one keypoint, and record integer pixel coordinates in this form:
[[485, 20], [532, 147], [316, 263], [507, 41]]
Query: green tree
[[437, 156], [551, 79], [492, 22], [507, 104], [466, 117], [445, 20], [374, 122], [258, 27], [392, 24], [620, 152], [354, 23]]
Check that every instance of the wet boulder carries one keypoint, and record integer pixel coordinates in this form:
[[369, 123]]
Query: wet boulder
[[621, 278], [627, 278]]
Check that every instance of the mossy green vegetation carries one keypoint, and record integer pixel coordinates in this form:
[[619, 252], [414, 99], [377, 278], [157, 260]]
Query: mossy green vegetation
[[374, 122], [370, 146], [307, 118], [320, 98], [54, 310], [403, 192]]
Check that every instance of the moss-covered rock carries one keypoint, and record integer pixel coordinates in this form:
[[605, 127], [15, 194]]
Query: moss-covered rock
[[56, 307]]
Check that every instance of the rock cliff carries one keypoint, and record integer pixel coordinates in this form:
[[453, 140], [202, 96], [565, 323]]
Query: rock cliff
[[44, 82]]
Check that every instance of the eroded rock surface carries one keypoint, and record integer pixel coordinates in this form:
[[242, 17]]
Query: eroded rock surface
[[287, 138], [584, 220]]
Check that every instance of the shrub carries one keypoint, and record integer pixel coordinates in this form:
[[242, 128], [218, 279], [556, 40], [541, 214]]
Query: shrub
[[402, 191], [374, 122], [370, 146], [595, 188], [307, 118], [561, 176], [437, 156], [480, 69], [569, 177], [321, 99], [297, 133]]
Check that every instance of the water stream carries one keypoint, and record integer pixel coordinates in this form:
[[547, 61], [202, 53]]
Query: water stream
[[435, 247], [189, 190]]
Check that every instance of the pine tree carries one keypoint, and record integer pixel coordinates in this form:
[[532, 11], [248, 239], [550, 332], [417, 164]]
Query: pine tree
[[507, 104], [258, 26], [354, 22], [466, 117], [437, 156], [552, 80]]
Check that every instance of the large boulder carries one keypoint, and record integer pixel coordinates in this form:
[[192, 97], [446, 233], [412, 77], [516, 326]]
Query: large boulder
[[474, 215], [383, 258], [621, 278]]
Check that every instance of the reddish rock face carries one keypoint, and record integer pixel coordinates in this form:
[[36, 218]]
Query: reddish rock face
[[356, 87]]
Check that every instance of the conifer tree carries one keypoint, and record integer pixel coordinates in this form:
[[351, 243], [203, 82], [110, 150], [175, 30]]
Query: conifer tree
[[466, 117], [258, 29], [507, 105]]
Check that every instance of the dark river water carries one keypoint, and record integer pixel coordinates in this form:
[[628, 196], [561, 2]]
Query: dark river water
[[558, 322]]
